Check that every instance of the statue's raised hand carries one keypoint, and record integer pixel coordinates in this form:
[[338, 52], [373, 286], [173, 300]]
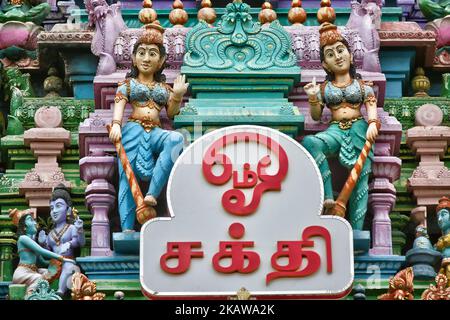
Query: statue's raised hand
[[42, 238], [180, 86], [78, 223], [312, 89]]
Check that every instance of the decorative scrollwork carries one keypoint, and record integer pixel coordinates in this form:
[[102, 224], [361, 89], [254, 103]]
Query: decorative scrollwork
[[43, 292], [239, 43]]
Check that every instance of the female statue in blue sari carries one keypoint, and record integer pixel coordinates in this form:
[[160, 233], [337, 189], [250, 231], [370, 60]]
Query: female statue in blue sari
[[344, 92], [151, 151]]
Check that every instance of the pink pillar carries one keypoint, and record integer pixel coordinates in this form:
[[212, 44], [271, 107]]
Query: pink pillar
[[381, 204], [429, 140], [98, 170], [47, 142], [386, 169], [100, 204]]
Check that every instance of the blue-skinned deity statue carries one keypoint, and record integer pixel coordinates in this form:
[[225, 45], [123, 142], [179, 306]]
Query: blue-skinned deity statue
[[67, 234], [32, 256]]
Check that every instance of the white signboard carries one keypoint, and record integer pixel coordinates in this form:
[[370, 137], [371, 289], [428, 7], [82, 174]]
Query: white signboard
[[245, 205]]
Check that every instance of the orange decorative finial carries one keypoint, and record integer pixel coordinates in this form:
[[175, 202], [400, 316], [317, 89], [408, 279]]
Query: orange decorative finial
[[207, 12], [147, 14], [326, 12], [178, 16], [267, 14], [296, 14]]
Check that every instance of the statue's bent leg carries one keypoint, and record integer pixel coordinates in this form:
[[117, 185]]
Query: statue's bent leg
[[318, 149], [28, 277], [169, 149], [66, 272], [358, 199]]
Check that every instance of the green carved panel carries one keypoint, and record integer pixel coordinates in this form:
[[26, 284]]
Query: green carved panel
[[239, 44], [404, 109], [73, 111]]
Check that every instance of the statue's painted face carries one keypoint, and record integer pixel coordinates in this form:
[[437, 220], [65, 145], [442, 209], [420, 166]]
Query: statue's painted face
[[148, 59], [59, 210], [30, 225], [337, 58], [444, 219]]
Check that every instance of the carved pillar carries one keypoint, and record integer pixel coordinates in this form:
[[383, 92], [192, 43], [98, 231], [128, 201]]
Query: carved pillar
[[386, 169], [47, 141], [98, 171], [429, 140], [6, 259]]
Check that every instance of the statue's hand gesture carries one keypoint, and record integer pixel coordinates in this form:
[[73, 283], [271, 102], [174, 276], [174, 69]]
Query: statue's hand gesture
[[42, 238], [312, 89], [372, 132], [116, 133], [180, 86], [78, 223], [64, 248]]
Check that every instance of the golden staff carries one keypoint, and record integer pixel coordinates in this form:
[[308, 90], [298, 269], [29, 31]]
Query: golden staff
[[143, 211], [340, 206]]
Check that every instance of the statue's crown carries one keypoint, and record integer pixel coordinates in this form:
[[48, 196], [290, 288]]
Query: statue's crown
[[329, 34], [444, 203], [153, 33], [16, 215]]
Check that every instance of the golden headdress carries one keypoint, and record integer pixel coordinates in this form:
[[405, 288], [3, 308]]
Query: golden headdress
[[153, 34], [16, 215], [444, 203], [329, 34]]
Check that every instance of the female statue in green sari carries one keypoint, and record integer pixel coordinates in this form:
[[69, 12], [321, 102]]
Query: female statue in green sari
[[343, 92]]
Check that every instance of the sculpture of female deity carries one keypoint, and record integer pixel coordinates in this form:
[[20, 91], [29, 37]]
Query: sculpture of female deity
[[30, 253], [151, 151], [343, 92], [443, 244], [66, 235]]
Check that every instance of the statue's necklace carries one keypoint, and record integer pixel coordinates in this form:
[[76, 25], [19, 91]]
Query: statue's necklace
[[58, 235]]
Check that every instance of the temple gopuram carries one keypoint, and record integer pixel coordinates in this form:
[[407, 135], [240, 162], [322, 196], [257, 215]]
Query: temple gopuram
[[77, 222]]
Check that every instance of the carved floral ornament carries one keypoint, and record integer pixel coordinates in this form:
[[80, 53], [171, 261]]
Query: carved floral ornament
[[401, 286], [440, 291]]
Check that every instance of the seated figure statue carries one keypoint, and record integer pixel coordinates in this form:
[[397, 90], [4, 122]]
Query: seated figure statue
[[66, 236], [150, 150], [31, 254], [343, 92]]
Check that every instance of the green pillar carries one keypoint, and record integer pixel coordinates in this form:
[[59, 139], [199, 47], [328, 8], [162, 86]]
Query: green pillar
[[6, 259], [398, 223], [445, 85], [17, 291], [7, 246]]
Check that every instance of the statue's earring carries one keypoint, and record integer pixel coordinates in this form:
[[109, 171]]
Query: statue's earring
[[68, 215]]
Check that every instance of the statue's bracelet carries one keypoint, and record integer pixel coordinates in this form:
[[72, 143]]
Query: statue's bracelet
[[377, 121], [313, 100], [117, 121]]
